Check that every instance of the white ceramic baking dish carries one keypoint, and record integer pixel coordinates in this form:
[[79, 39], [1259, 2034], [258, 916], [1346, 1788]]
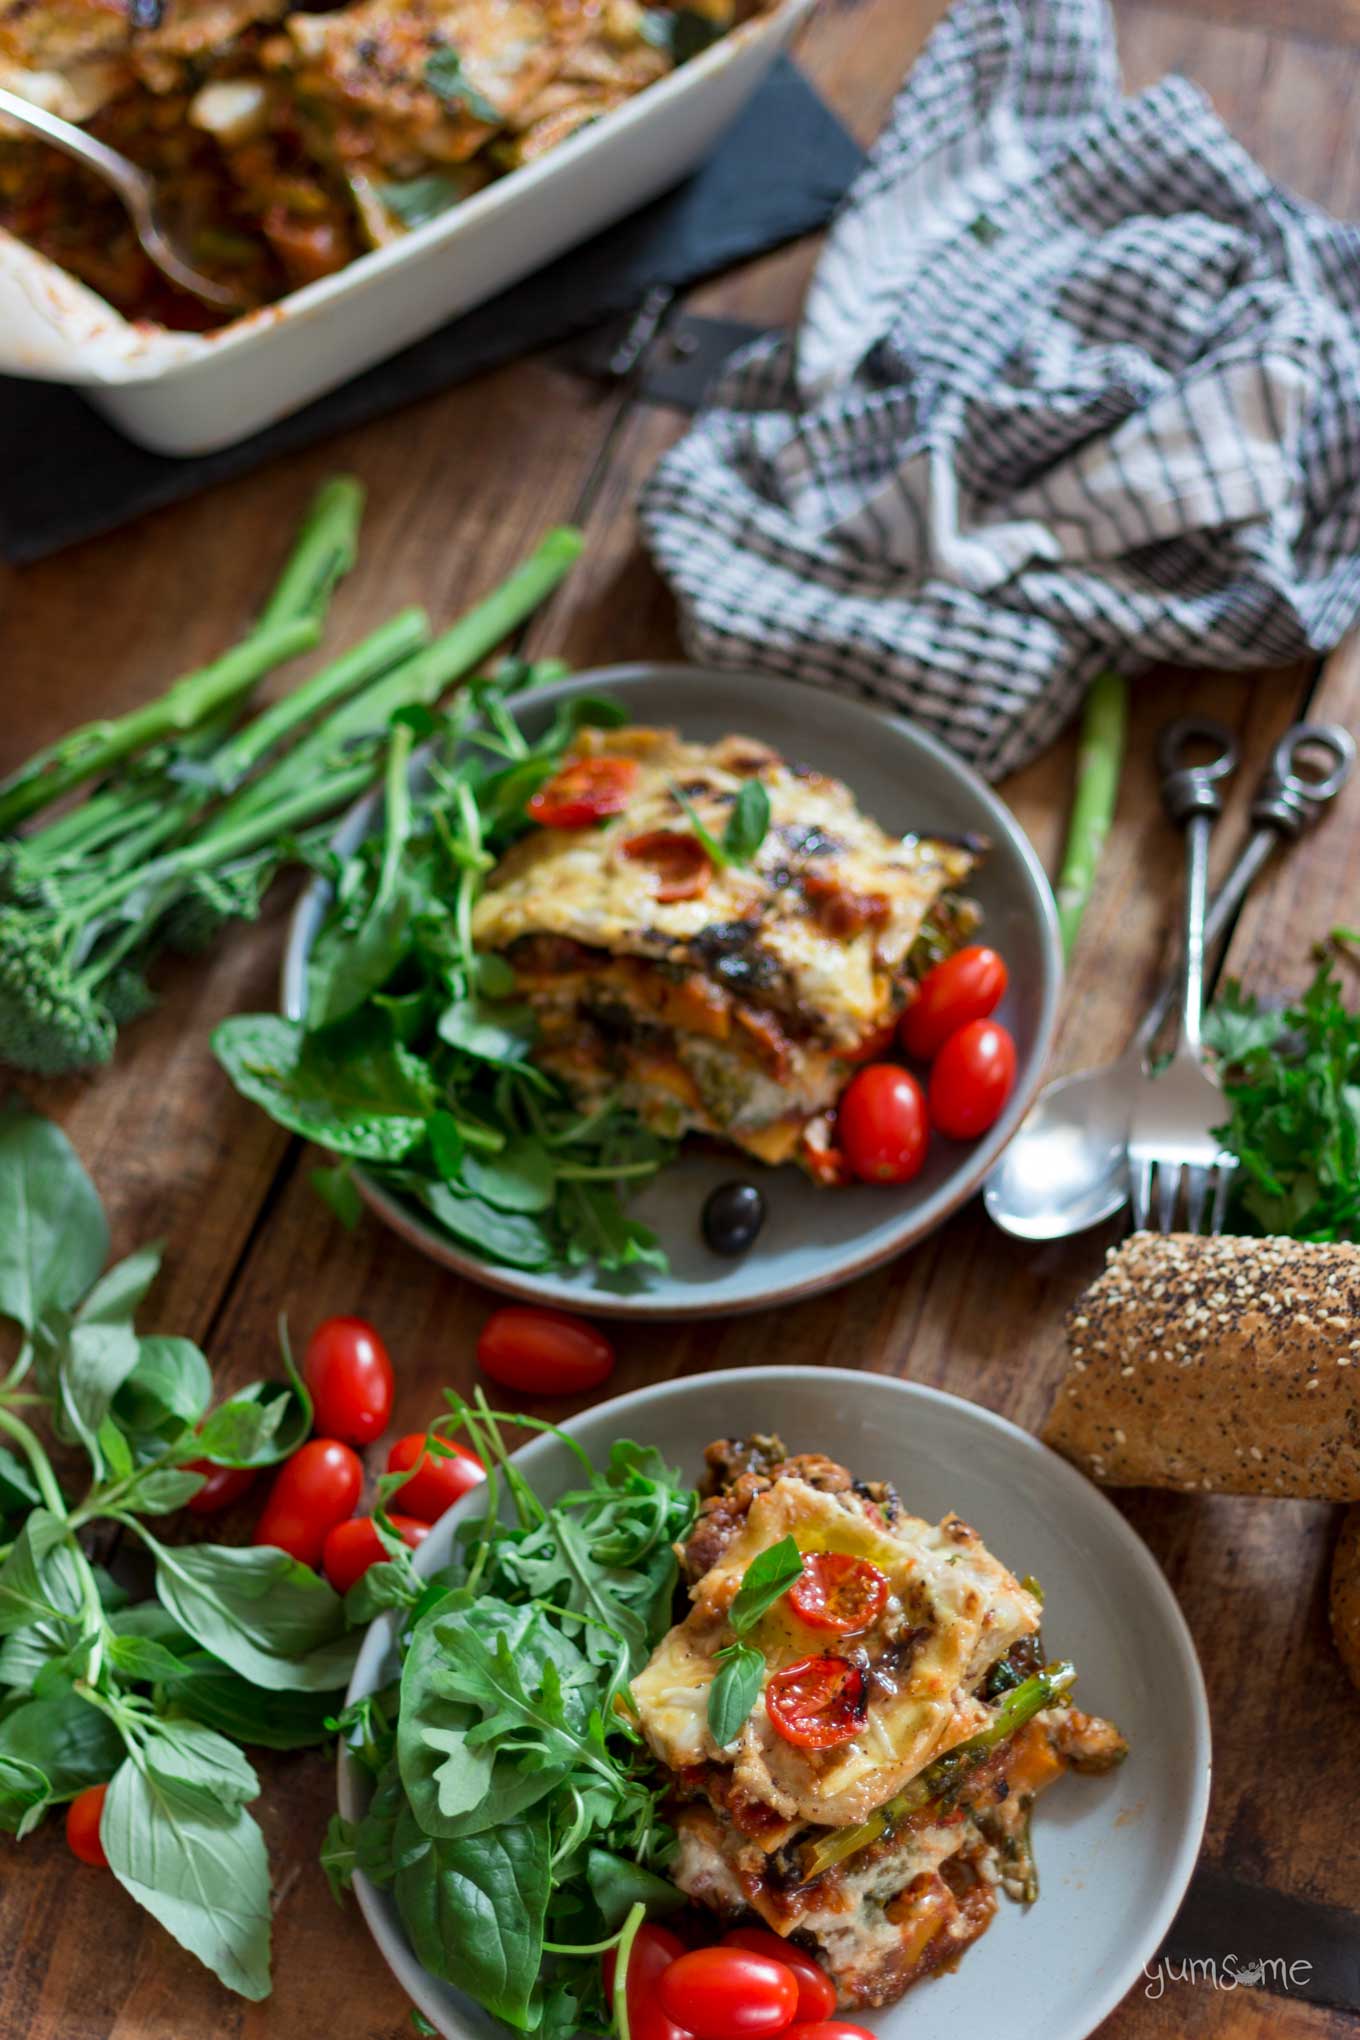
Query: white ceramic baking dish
[[189, 393]]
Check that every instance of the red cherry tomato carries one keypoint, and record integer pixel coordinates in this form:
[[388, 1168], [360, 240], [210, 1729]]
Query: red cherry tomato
[[682, 865], [543, 1352], [352, 1547], [350, 1376], [817, 1703], [438, 1482], [973, 1076], [222, 1485], [584, 791], [654, 1949], [881, 1126], [838, 1592], [312, 1492], [728, 1994], [816, 1991], [966, 986], [83, 1816], [829, 2029]]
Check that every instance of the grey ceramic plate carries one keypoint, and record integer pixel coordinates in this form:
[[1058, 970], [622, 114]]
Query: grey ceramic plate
[[1116, 1853], [812, 1238]]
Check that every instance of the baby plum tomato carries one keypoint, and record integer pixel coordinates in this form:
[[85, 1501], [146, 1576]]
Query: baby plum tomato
[[222, 1485], [438, 1482], [829, 2029], [583, 792], [966, 986], [881, 1126], [352, 1547], [728, 1994], [654, 1949], [816, 1991], [973, 1076], [543, 1352], [83, 1816], [350, 1377], [818, 1703], [312, 1492], [839, 1592]]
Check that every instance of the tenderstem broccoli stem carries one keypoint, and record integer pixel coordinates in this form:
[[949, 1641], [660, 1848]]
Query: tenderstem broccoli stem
[[93, 749], [1100, 758], [325, 549]]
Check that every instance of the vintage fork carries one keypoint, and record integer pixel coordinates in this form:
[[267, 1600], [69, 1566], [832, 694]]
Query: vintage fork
[[1169, 1138]]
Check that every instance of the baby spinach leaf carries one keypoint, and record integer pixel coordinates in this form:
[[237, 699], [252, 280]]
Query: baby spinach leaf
[[200, 1870], [520, 1178], [491, 1030], [338, 1191], [617, 1885], [512, 1237], [767, 1578], [734, 1692], [53, 1236], [272, 1620], [351, 1088], [474, 1909], [339, 1855], [346, 966]]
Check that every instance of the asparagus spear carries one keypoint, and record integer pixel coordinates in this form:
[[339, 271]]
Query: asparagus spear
[[1020, 1705], [1100, 758], [327, 547]]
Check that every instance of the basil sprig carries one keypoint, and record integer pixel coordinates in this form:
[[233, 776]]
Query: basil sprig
[[735, 1690], [747, 826]]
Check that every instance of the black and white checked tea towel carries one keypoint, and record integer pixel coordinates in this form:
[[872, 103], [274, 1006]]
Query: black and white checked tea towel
[[1077, 385]]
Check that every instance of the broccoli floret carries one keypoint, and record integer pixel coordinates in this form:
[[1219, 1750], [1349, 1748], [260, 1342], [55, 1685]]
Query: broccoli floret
[[51, 1021]]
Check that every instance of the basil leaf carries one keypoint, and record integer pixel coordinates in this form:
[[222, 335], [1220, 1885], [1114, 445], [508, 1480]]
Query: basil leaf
[[163, 1491], [198, 1869], [351, 1088], [447, 79], [198, 1763], [18, 1489], [261, 1424], [748, 824], [769, 1575], [734, 1692], [222, 1699], [272, 1620], [93, 1362], [167, 1391], [25, 1792], [39, 1581], [339, 1855], [145, 1660], [53, 1236], [474, 1908], [72, 1743], [414, 200]]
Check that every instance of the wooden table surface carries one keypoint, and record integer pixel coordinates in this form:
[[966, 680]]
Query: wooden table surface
[[459, 488]]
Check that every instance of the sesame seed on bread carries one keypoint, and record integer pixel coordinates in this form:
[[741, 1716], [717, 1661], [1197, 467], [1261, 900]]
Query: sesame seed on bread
[[1229, 1366]]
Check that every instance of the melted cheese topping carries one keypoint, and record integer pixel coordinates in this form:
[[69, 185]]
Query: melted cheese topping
[[952, 1611], [579, 883]]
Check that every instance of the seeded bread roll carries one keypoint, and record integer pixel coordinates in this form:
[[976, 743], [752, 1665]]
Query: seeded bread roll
[[1222, 1364], [1346, 1594]]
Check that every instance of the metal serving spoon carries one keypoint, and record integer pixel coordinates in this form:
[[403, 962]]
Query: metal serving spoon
[[1067, 1167], [134, 187]]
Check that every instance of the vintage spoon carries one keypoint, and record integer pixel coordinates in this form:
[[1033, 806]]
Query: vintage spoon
[[1067, 1167], [134, 187]]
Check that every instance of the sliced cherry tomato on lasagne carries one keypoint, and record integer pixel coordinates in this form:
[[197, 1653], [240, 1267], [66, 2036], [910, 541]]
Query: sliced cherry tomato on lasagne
[[817, 1702], [682, 865], [816, 1991], [839, 1592], [584, 791]]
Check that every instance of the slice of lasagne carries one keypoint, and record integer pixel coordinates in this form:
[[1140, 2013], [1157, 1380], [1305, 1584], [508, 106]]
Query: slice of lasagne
[[876, 1795], [723, 995]]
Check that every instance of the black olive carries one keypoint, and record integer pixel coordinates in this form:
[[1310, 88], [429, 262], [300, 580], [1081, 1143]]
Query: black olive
[[733, 1216]]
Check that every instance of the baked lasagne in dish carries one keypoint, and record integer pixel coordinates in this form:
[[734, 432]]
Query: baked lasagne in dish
[[875, 1797], [289, 141], [728, 997]]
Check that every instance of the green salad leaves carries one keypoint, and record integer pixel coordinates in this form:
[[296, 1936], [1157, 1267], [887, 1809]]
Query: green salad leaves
[[514, 1810], [414, 1059], [239, 1645], [1292, 1082]]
